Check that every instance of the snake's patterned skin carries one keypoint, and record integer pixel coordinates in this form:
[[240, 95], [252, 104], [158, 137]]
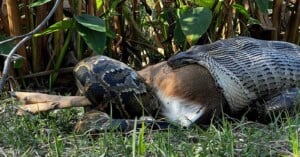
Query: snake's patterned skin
[[97, 121], [247, 69], [115, 88]]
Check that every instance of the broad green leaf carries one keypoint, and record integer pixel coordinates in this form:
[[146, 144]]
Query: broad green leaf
[[99, 4], [194, 22], [204, 3], [263, 5], [94, 39], [38, 3], [18, 63], [179, 37], [60, 25], [6, 47], [241, 10], [91, 22], [253, 21], [110, 34], [115, 3]]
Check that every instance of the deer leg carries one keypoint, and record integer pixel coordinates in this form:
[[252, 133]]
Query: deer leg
[[38, 102]]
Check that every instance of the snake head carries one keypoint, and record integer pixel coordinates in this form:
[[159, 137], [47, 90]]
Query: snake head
[[184, 58], [198, 53], [112, 86]]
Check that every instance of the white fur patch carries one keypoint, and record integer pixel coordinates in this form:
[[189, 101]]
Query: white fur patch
[[179, 110]]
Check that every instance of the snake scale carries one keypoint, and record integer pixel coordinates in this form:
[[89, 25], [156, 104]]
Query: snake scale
[[246, 70], [114, 87]]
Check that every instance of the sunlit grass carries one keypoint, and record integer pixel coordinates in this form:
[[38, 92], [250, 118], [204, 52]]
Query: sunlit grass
[[51, 134]]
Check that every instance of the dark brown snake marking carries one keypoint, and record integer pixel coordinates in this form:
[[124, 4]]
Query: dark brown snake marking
[[108, 83]]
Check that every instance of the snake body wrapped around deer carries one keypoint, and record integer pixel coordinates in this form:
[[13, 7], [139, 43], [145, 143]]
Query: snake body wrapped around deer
[[196, 84]]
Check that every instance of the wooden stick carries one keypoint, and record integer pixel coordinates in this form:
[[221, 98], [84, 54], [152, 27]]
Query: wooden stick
[[38, 102]]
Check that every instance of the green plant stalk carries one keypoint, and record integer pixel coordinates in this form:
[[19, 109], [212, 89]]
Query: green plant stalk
[[133, 144], [293, 138], [33, 46], [295, 143], [78, 4], [49, 141], [231, 140], [227, 131], [142, 146], [53, 77], [129, 17], [78, 47], [34, 55], [58, 145], [169, 143], [57, 45], [109, 40]]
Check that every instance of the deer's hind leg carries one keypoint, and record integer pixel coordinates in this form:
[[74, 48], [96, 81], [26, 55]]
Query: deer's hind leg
[[39, 102]]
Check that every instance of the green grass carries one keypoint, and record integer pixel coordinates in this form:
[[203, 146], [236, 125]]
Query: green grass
[[51, 134]]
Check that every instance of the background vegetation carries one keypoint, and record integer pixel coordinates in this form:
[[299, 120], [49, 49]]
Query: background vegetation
[[137, 32]]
